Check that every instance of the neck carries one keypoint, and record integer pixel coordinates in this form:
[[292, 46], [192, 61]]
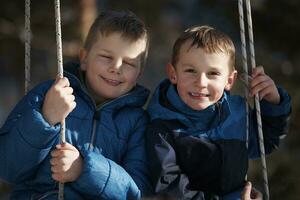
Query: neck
[[98, 99]]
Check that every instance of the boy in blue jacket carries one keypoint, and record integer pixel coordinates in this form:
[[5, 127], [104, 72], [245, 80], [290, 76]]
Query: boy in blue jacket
[[197, 134], [104, 157]]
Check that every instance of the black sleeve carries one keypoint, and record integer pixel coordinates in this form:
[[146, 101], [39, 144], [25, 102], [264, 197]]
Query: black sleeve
[[167, 177], [274, 129], [275, 120]]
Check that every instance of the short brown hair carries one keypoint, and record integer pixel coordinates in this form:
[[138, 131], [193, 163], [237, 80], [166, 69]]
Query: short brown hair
[[124, 22], [207, 38]]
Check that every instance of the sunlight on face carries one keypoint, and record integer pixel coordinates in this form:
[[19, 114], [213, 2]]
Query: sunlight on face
[[112, 65]]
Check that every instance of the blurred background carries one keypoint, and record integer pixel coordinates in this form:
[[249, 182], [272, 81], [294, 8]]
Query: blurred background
[[276, 35]]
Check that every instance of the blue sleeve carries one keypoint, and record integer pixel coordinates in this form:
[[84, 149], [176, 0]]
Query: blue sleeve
[[275, 123], [283, 108], [234, 195], [25, 138], [102, 178]]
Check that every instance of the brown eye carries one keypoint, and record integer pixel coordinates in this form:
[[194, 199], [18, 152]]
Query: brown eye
[[105, 57], [214, 73], [130, 64], [190, 70]]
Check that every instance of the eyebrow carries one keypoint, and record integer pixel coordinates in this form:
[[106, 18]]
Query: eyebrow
[[188, 65], [214, 68], [191, 65], [126, 58], [105, 50]]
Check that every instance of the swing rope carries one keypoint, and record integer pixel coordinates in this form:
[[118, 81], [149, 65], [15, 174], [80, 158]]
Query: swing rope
[[59, 63], [245, 66], [256, 98], [27, 45], [60, 75]]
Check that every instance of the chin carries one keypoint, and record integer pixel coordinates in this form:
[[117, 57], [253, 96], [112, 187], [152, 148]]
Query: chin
[[202, 107]]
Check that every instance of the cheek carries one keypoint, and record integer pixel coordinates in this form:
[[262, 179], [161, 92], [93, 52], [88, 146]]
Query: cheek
[[182, 89], [185, 82], [132, 75], [184, 79], [218, 87], [188, 82], [98, 63], [89, 66]]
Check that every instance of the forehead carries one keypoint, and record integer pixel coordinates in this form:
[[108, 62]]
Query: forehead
[[194, 56], [118, 44]]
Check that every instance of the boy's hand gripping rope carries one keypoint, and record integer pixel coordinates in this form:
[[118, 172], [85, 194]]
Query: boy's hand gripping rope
[[257, 105]]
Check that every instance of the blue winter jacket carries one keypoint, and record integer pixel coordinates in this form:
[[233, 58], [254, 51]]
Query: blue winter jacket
[[203, 154], [114, 168]]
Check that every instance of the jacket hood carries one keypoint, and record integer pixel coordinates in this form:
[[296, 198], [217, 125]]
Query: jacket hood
[[161, 107], [137, 97]]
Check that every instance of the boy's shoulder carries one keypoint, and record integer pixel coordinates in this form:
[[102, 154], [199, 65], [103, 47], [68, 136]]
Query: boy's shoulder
[[235, 101], [132, 112], [130, 115], [38, 92], [164, 126], [234, 97], [129, 121], [132, 101], [234, 107], [41, 88]]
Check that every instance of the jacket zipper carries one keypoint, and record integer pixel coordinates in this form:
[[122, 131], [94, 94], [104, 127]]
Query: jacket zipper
[[96, 113], [91, 145], [96, 118]]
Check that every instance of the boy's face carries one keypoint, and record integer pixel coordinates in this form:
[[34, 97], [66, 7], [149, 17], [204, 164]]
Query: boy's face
[[201, 77], [112, 65]]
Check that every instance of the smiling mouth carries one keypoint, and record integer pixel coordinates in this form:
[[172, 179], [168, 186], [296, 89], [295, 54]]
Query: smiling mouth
[[111, 81], [198, 95]]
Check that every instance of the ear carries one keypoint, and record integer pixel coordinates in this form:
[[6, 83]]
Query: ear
[[82, 57], [231, 80], [171, 72]]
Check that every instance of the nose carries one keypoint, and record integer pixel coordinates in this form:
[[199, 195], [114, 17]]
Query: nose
[[115, 66], [201, 80]]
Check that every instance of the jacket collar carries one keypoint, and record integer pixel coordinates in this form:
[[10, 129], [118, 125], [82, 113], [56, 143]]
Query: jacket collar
[[167, 105]]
